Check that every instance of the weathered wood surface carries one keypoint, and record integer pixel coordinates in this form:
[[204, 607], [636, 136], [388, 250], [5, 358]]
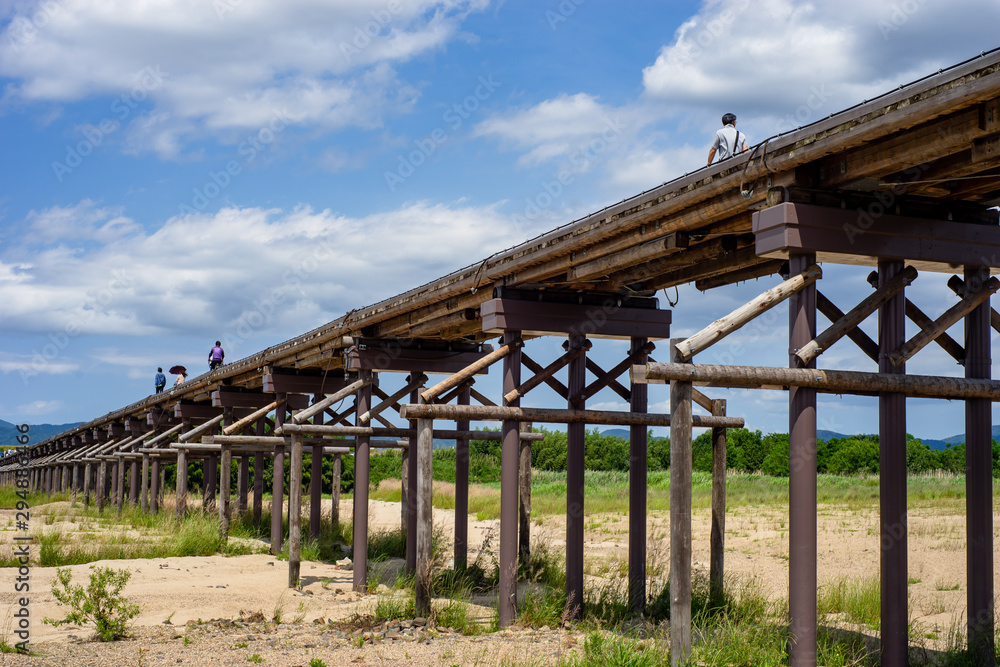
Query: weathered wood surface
[[470, 370], [252, 417], [746, 313], [553, 416], [393, 399], [318, 407], [835, 382], [681, 470]]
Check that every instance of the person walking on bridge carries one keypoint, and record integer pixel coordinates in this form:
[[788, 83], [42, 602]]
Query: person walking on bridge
[[216, 356], [160, 380], [728, 141]]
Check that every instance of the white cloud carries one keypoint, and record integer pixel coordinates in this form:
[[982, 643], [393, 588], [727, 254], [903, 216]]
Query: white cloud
[[239, 271], [28, 365], [39, 407], [226, 65]]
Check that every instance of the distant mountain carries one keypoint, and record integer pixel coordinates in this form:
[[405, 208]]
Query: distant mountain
[[36, 432]]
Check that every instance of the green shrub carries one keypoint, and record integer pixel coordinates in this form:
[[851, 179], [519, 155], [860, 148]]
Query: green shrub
[[100, 602]]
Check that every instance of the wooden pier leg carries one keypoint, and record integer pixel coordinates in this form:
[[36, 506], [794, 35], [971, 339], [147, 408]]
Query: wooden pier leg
[[243, 482], [979, 480], [154, 483], [524, 497], [575, 435], [86, 483], [278, 485], [315, 492], [144, 497], [637, 485], [362, 453], [258, 477], [892, 478], [462, 488], [717, 559], [120, 487], [295, 512], [211, 482], [74, 484], [802, 479], [409, 498], [425, 514], [133, 480], [507, 592], [338, 464], [225, 483], [182, 484], [112, 482], [680, 516]]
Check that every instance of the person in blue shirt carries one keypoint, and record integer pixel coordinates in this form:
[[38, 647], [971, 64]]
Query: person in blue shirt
[[160, 380]]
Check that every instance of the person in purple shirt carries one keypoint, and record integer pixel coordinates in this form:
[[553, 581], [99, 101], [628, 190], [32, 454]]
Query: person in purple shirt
[[216, 356]]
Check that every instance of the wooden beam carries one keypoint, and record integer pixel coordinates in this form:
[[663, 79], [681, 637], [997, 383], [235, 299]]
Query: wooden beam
[[553, 416], [470, 370], [545, 373], [418, 381], [252, 417], [319, 406], [722, 327], [860, 338]]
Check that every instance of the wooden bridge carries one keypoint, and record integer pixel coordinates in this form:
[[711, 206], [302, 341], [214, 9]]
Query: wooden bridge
[[904, 183]]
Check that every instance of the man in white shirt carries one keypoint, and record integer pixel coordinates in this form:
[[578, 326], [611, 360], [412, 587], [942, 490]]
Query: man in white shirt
[[728, 141]]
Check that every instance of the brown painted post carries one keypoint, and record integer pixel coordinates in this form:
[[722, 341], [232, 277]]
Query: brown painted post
[[210, 479], [680, 516], [295, 512], [575, 435], [507, 592], [225, 483], [182, 475], [717, 558], [425, 513], [524, 493], [802, 479], [462, 487], [409, 497], [243, 482], [75, 480], [978, 479], [278, 484], [144, 498], [637, 473], [892, 477], [112, 483], [86, 483], [316, 481], [133, 478], [362, 454], [258, 477], [335, 496], [120, 495], [163, 481], [154, 483]]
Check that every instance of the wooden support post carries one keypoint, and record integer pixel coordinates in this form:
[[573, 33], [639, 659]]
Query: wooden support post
[[316, 481], [575, 454], [892, 474], [182, 473], [637, 484], [113, 482], [163, 482], [717, 559], [802, 481], [258, 478], [154, 485], [335, 496], [120, 486], [75, 480], [978, 478], [243, 483], [462, 486], [680, 516], [133, 479], [87, 467], [507, 592], [425, 513], [210, 483], [278, 487], [144, 498], [295, 505], [524, 493], [362, 455], [408, 499], [225, 485]]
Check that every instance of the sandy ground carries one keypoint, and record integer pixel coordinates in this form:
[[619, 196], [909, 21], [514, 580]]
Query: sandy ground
[[180, 596]]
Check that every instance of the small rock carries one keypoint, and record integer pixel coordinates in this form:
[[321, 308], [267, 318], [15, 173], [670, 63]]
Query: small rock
[[271, 564], [420, 620]]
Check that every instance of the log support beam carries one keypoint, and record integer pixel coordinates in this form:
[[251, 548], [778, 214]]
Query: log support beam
[[637, 484], [507, 591]]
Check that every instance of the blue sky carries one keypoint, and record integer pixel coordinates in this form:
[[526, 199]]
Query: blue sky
[[178, 171]]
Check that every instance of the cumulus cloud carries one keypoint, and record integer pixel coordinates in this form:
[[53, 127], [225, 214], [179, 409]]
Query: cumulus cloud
[[225, 65], [39, 408], [237, 270]]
